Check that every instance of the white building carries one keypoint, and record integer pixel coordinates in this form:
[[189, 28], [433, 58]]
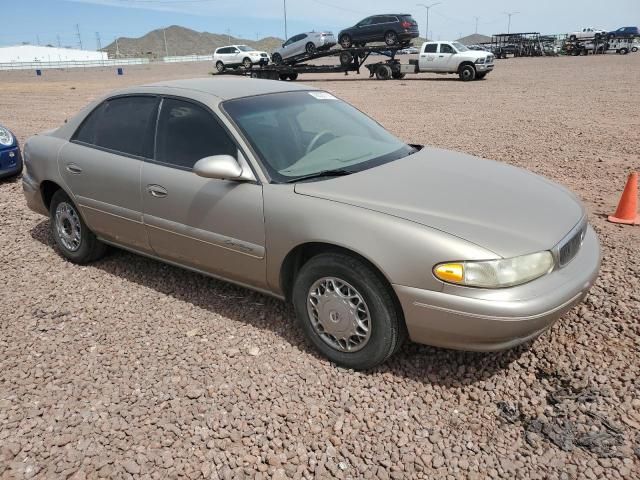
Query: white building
[[36, 53]]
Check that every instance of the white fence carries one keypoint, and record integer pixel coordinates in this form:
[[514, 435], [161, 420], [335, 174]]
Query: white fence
[[101, 63]]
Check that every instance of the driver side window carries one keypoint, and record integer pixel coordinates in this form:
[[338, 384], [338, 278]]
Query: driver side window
[[446, 48], [188, 133]]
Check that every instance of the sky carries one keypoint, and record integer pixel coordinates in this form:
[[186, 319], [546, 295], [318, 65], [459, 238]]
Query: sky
[[54, 21]]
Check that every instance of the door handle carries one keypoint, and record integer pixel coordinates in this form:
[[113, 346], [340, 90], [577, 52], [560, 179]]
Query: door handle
[[441, 56], [73, 168], [156, 191]]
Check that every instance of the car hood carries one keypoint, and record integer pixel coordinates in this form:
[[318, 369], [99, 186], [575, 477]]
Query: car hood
[[499, 207]]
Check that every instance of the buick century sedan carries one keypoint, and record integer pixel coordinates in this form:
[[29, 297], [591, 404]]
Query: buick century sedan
[[290, 191]]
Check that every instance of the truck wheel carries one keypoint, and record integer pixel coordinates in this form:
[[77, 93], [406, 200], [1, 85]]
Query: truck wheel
[[634, 49], [247, 63], [399, 75], [310, 48], [276, 58], [384, 72], [346, 41], [624, 51], [345, 59], [219, 66], [293, 77], [391, 38], [467, 73]]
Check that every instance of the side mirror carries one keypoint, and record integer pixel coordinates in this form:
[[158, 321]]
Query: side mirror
[[283, 45], [221, 167]]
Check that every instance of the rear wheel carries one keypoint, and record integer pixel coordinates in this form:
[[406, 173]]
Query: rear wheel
[[310, 48], [384, 72], [467, 73], [624, 51], [398, 75], [276, 58], [391, 38], [219, 66], [345, 59], [74, 239], [347, 311], [346, 41]]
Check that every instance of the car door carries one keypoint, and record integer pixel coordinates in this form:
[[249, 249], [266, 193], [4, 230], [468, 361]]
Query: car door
[[235, 57], [287, 48], [101, 165], [363, 30], [427, 60], [215, 226], [445, 57], [301, 44]]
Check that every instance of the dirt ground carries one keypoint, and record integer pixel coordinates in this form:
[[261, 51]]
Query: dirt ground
[[132, 368]]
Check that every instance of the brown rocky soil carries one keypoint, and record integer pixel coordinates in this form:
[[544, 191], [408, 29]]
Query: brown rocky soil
[[129, 368]]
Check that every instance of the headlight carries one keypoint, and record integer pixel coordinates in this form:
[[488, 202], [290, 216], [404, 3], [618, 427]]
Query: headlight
[[501, 273], [6, 138], [480, 60]]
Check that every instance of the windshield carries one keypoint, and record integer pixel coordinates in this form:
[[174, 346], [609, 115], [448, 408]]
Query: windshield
[[244, 48], [460, 47], [297, 134]]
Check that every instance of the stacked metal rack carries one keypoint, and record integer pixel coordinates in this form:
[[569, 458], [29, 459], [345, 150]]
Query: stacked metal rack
[[350, 60], [527, 44]]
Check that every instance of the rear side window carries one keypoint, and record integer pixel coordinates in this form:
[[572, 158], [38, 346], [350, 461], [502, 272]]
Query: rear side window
[[124, 125], [430, 48], [188, 133]]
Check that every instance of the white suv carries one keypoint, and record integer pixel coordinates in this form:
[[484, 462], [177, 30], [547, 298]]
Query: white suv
[[238, 55]]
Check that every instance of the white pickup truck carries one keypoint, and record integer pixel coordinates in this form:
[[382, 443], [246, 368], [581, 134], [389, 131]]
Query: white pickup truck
[[439, 57]]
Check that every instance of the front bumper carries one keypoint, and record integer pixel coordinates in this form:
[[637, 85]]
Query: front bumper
[[10, 162], [488, 320], [484, 67]]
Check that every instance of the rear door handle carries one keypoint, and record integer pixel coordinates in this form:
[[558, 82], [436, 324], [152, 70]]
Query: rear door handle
[[73, 168], [157, 191]]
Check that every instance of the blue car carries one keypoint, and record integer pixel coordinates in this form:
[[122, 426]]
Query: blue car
[[10, 156], [624, 32]]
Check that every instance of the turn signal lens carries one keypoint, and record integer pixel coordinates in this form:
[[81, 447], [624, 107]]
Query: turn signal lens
[[450, 272]]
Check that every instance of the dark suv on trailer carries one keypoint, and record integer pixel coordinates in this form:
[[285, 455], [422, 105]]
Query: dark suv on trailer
[[392, 29]]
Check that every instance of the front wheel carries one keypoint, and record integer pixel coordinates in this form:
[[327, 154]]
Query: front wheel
[[467, 73], [310, 48], [347, 312], [76, 242], [247, 63], [391, 38], [220, 67]]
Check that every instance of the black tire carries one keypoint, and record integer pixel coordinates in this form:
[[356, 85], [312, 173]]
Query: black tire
[[310, 48], [276, 58], [284, 77], [467, 73], [634, 49], [219, 66], [293, 77], [384, 72], [391, 38], [247, 63], [345, 40], [624, 51], [480, 76], [89, 248], [345, 59], [398, 75], [386, 324]]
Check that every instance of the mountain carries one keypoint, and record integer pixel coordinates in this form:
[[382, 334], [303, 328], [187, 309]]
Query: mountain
[[182, 41], [474, 39]]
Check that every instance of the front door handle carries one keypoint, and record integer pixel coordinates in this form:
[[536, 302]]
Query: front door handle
[[73, 168], [157, 191]]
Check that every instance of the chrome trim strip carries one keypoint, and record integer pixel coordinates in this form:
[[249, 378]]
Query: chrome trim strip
[[204, 236], [102, 207]]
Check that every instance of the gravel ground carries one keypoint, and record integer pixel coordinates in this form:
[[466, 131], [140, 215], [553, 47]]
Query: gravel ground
[[130, 368]]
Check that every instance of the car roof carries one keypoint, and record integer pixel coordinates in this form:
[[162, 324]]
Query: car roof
[[225, 88]]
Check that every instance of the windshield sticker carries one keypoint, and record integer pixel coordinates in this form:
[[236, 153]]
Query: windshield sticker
[[322, 96]]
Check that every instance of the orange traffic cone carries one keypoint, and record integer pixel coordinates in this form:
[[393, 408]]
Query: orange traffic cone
[[627, 211]]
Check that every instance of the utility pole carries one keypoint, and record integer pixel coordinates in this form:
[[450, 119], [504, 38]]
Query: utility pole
[[285, 20], [228, 36], [59, 42], [117, 49], [79, 36], [38, 39], [428, 7], [98, 43], [510, 14], [477, 18], [166, 48]]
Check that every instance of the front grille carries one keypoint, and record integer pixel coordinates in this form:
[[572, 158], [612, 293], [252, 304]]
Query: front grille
[[571, 247]]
